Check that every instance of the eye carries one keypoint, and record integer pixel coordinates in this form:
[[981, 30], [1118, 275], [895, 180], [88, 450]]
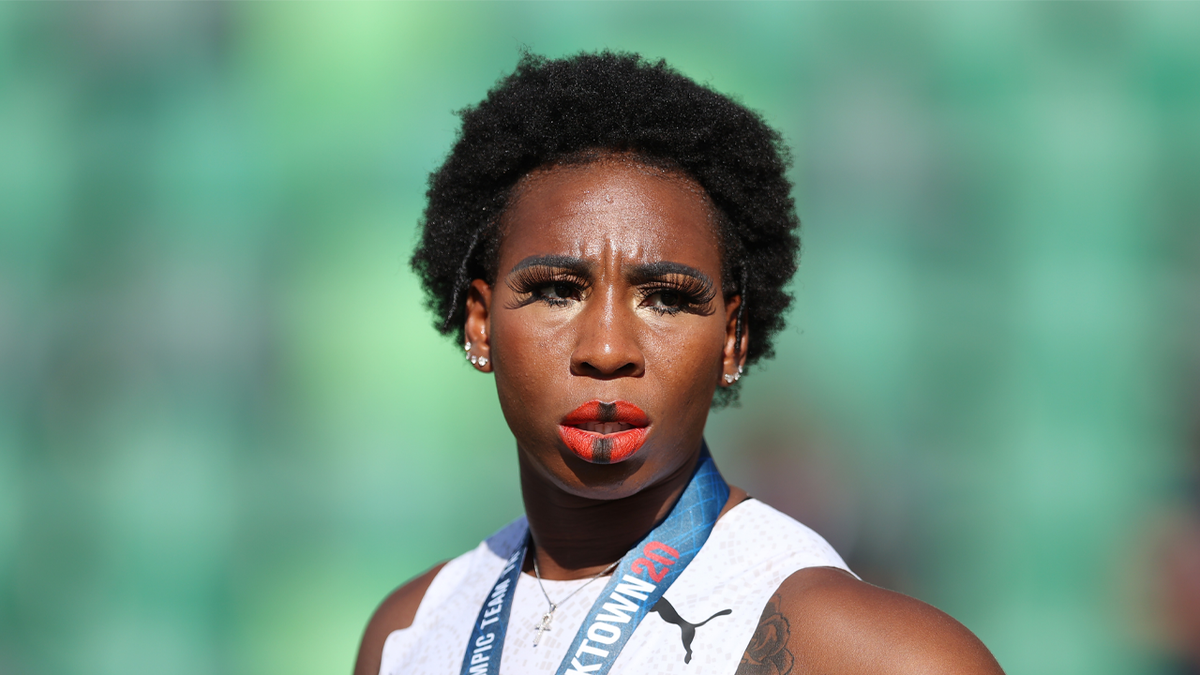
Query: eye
[[547, 285], [557, 292], [669, 301], [678, 293], [664, 299]]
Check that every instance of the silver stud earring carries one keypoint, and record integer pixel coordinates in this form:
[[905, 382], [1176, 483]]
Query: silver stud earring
[[483, 361], [728, 378], [473, 359], [739, 371], [467, 347]]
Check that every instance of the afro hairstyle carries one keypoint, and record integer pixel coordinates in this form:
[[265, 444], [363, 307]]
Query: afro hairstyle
[[553, 111]]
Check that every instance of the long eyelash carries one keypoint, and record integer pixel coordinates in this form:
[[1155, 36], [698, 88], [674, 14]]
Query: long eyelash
[[528, 280], [695, 294]]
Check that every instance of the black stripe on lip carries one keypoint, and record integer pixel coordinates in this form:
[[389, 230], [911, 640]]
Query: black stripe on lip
[[608, 412], [601, 450]]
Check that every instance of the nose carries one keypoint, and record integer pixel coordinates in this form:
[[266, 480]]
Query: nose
[[607, 345]]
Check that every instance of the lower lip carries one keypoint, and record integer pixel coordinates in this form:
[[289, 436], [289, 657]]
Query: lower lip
[[602, 448]]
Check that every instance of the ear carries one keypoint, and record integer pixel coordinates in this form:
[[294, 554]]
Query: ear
[[478, 325], [735, 350]]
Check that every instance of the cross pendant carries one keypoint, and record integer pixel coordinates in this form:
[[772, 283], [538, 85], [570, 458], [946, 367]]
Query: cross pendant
[[544, 625]]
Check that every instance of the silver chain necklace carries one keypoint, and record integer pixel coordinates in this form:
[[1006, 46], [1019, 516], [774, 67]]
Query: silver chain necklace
[[544, 625]]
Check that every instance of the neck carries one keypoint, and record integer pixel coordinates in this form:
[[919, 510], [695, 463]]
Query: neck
[[577, 537]]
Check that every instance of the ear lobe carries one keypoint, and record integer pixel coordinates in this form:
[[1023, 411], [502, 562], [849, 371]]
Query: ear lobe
[[477, 327], [734, 357]]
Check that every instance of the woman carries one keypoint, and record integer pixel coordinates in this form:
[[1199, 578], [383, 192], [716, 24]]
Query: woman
[[610, 241]]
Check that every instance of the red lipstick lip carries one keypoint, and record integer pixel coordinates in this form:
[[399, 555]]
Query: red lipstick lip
[[610, 448], [599, 411]]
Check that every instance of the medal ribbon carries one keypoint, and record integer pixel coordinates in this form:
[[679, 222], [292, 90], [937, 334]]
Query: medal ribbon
[[642, 577]]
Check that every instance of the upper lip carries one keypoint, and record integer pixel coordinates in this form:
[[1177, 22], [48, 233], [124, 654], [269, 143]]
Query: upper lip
[[606, 417]]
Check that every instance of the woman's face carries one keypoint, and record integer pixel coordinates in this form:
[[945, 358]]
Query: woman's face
[[607, 328]]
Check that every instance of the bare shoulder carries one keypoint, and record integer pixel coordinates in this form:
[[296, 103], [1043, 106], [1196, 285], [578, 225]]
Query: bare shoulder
[[395, 612], [823, 620]]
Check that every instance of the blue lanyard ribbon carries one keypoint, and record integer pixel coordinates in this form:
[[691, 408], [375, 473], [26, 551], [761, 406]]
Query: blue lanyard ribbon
[[642, 577]]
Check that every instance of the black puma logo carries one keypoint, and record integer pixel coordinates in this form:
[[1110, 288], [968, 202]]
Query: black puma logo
[[687, 628]]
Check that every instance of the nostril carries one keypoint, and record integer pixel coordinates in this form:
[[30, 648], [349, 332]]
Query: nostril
[[599, 369]]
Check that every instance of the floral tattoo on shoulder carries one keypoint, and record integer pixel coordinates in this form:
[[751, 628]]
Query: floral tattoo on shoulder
[[767, 653]]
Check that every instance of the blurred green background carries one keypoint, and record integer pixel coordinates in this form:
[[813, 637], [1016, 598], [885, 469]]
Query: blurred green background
[[227, 428]]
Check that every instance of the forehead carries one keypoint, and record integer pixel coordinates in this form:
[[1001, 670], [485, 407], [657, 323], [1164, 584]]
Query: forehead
[[616, 205]]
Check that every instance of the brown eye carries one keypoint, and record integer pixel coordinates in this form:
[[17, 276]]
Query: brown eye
[[557, 290], [665, 299]]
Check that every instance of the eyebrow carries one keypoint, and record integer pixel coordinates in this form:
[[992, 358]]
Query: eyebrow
[[564, 262], [637, 274], [641, 273]]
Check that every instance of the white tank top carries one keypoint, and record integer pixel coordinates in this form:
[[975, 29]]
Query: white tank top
[[717, 601]]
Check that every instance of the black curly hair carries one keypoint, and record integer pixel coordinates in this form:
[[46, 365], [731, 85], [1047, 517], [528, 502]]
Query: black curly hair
[[549, 112]]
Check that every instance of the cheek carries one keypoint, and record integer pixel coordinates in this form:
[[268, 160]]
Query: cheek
[[689, 359], [521, 339], [528, 362]]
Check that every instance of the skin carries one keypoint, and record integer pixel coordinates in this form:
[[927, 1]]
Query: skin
[[607, 331]]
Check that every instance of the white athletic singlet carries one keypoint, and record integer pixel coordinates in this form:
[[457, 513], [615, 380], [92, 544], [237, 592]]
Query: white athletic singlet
[[717, 602]]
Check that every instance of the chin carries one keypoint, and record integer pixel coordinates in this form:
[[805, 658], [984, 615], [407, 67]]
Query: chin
[[591, 480]]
